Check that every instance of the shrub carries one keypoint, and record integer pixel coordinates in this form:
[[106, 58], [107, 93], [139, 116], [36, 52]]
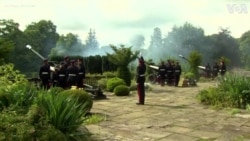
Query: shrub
[[3, 100], [64, 112], [102, 83], [82, 96], [113, 82], [121, 90], [232, 91]]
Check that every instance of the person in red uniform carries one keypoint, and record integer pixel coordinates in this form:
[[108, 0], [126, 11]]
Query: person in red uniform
[[140, 80]]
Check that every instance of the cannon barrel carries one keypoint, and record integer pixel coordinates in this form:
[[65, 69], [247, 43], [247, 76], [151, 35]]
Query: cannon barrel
[[39, 55]]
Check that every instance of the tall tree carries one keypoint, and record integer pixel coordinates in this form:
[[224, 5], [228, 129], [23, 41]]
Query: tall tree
[[68, 45], [156, 39], [244, 42], [185, 39], [42, 36], [122, 57], [224, 45], [91, 43]]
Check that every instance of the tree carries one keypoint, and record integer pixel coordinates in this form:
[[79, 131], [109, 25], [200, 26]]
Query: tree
[[91, 43], [223, 44], [6, 46], [68, 45], [185, 39], [195, 60], [122, 57], [244, 42], [42, 36]]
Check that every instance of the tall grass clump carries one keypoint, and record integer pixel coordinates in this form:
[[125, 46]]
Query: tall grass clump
[[233, 91]]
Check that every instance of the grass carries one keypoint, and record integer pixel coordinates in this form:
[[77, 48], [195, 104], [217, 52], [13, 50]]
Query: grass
[[94, 118]]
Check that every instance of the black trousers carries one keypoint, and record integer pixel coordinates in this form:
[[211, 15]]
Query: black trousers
[[141, 92]]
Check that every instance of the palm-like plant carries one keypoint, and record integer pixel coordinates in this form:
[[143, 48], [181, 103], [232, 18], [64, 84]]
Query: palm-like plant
[[121, 58]]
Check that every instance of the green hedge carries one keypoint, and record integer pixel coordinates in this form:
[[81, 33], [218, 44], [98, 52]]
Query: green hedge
[[121, 90], [113, 82]]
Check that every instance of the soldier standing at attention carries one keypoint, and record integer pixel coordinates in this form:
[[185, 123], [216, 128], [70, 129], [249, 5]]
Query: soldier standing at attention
[[223, 68], [140, 80], [62, 75], [215, 70], [72, 73], [208, 70], [177, 73], [44, 74], [81, 73], [162, 73]]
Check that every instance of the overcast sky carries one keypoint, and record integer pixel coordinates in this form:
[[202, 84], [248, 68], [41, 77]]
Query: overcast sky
[[117, 21]]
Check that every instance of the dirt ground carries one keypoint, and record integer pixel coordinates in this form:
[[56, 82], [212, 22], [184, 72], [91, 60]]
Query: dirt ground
[[169, 114]]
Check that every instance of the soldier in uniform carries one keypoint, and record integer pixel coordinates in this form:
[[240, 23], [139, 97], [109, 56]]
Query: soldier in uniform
[[81, 73], [55, 77], [72, 73], [62, 75], [140, 80], [177, 73], [208, 70], [223, 68], [169, 69], [66, 61], [162, 73], [44, 74], [215, 70]]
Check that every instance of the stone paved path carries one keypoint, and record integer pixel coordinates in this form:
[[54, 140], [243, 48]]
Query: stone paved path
[[169, 114]]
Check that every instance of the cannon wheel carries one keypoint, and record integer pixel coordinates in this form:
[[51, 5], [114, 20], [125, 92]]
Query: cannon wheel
[[152, 78]]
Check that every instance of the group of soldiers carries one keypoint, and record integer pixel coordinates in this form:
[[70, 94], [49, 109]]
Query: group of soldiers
[[170, 73], [69, 73], [217, 68]]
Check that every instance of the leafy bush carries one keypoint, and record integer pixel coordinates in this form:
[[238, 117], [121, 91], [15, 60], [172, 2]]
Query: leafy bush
[[64, 112], [121, 90], [21, 94], [189, 75], [113, 82], [102, 83], [124, 73], [232, 91], [82, 96]]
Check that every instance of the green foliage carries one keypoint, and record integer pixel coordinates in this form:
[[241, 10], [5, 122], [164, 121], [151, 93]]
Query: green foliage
[[82, 96], [94, 118], [194, 61], [113, 82], [232, 91], [121, 90], [64, 112], [102, 83], [124, 73], [189, 75], [122, 57]]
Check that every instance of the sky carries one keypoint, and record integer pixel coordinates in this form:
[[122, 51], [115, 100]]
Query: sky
[[117, 21]]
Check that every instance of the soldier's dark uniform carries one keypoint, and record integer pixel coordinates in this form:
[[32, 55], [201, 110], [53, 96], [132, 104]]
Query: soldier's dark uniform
[[177, 73], [55, 82], [169, 69], [44, 74], [140, 80], [208, 70], [81, 73], [162, 73], [72, 74], [62, 76], [223, 68], [215, 70]]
